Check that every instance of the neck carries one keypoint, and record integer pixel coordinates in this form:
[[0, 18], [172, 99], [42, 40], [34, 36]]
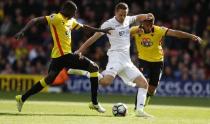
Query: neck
[[149, 31], [64, 15], [146, 32], [118, 20]]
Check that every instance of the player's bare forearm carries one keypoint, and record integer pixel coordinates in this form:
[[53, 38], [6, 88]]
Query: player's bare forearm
[[142, 17], [89, 42], [31, 23], [92, 29], [178, 34], [182, 34]]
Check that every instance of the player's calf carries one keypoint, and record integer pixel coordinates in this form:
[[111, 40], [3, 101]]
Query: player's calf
[[151, 92], [141, 82]]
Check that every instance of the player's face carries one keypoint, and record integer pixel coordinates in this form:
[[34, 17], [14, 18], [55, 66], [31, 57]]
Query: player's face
[[147, 25], [120, 15]]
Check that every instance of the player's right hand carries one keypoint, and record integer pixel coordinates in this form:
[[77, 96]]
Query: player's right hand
[[196, 38], [19, 35], [77, 52]]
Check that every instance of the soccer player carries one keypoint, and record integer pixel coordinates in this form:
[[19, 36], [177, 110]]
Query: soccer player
[[119, 62], [148, 39], [60, 25]]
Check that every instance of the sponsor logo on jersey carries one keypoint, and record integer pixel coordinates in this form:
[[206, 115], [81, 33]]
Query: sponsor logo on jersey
[[146, 42]]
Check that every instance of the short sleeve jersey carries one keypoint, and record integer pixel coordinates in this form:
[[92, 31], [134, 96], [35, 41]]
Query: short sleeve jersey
[[120, 36], [149, 45], [60, 29]]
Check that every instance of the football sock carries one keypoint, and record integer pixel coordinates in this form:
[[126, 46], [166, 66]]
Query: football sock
[[141, 97], [94, 90], [35, 89], [148, 99], [94, 87], [79, 72]]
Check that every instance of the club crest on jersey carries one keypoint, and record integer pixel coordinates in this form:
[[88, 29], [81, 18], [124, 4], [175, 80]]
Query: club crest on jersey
[[124, 33], [146, 42], [52, 17], [68, 34]]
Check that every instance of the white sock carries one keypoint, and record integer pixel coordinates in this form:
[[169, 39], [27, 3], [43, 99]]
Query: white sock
[[100, 76], [141, 98], [78, 72]]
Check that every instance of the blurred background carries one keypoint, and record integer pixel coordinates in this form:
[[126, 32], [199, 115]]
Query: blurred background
[[187, 64]]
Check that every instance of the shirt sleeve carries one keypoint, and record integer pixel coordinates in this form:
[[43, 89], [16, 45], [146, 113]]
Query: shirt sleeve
[[163, 30], [105, 25], [133, 30], [52, 19], [76, 25], [131, 19]]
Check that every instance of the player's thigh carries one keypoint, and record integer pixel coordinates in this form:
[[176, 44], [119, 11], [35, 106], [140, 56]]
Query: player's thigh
[[82, 63], [156, 74], [130, 74], [106, 80], [112, 68], [56, 66], [145, 68]]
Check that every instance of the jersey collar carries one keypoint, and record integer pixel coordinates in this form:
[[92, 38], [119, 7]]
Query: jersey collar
[[153, 30]]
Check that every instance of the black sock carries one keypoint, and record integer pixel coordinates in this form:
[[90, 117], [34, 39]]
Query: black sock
[[148, 95], [94, 90], [35, 89]]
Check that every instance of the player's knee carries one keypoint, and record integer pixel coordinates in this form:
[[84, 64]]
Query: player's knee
[[141, 82], [104, 83], [107, 80], [51, 77]]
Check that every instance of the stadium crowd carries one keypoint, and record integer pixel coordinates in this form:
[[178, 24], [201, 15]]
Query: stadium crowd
[[183, 59]]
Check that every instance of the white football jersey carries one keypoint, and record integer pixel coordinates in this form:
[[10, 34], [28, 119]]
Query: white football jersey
[[120, 36]]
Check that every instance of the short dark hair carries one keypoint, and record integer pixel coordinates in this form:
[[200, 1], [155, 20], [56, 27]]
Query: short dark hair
[[121, 5], [69, 5]]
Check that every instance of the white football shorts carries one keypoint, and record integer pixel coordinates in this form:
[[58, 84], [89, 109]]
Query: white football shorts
[[121, 65]]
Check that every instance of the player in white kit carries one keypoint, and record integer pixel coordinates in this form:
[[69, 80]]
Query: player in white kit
[[119, 62]]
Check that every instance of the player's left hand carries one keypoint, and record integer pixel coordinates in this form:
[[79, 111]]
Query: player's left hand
[[19, 35], [107, 30], [196, 38], [150, 16]]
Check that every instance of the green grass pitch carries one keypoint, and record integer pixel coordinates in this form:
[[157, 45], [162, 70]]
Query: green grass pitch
[[66, 108]]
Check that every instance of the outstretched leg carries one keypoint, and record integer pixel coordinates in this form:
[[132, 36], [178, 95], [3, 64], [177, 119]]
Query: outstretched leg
[[88, 65], [35, 89], [142, 85]]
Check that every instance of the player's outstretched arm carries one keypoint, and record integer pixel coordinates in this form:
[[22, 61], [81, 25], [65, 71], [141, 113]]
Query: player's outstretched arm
[[181, 34], [89, 28], [31, 23], [142, 17], [89, 42]]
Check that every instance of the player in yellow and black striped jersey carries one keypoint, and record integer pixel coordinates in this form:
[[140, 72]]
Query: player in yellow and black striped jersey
[[148, 39], [61, 25]]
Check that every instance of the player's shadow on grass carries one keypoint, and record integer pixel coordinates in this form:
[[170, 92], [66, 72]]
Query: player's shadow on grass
[[34, 114]]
